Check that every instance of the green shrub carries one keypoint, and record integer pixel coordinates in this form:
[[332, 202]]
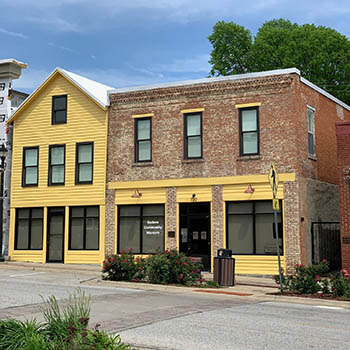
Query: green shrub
[[306, 280], [124, 267], [165, 267]]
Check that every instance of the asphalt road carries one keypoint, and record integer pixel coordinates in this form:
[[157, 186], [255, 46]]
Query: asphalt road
[[168, 320]]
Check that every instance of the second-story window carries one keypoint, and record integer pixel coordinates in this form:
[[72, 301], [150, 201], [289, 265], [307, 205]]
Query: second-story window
[[249, 131], [311, 131], [84, 163], [143, 140], [59, 109], [30, 166], [193, 135], [56, 164]]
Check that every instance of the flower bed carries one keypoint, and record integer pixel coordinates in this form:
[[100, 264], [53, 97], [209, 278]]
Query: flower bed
[[165, 267], [316, 281]]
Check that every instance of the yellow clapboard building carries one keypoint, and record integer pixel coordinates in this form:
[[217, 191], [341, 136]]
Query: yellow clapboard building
[[59, 172]]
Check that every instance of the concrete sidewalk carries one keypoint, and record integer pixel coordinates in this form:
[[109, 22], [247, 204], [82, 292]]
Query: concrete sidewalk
[[255, 288]]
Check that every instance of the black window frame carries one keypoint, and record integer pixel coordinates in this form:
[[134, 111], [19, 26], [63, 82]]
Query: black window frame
[[186, 137], [241, 132], [253, 214], [77, 164], [53, 113], [24, 167], [84, 229], [136, 140], [141, 217], [50, 183], [30, 228]]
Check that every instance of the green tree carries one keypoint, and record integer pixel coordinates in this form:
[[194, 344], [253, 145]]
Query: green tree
[[320, 53]]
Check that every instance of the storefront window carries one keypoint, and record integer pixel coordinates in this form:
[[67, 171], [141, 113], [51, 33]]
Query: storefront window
[[141, 227], [251, 228]]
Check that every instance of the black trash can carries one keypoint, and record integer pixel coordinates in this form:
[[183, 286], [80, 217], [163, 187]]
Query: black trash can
[[224, 268]]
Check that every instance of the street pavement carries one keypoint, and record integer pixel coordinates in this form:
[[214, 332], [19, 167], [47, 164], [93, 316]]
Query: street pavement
[[170, 317]]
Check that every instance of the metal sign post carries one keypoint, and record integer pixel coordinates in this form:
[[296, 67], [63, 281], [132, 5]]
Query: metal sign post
[[273, 179]]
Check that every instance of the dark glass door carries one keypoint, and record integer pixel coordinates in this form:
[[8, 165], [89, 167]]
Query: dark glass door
[[55, 234], [195, 231]]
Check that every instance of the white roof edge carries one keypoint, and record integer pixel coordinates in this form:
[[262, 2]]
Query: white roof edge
[[65, 73], [324, 93], [207, 80], [12, 60]]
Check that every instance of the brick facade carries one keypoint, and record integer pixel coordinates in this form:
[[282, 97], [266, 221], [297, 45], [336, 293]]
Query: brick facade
[[343, 148], [283, 131]]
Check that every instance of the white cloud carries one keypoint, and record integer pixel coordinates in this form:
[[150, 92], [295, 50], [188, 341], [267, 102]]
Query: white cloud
[[64, 48], [18, 35], [55, 24]]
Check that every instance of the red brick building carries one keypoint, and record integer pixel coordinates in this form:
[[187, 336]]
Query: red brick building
[[343, 148], [188, 167]]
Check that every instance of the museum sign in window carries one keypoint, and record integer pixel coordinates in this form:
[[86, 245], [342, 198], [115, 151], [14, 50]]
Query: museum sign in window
[[251, 228], [141, 227]]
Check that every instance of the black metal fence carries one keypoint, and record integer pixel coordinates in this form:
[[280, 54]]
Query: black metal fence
[[325, 237]]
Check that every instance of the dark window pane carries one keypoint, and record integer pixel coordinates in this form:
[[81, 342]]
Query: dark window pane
[[77, 212], [129, 234], [92, 211], [264, 226], [36, 234], [23, 213], [240, 234], [77, 233], [22, 234], [60, 116], [92, 236], [153, 210], [37, 213], [311, 143], [263, 207], [240, 207], [130, 210], [60, 102]]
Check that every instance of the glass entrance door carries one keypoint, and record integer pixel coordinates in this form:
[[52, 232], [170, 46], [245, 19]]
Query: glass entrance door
[[195, 231], [55, 234]]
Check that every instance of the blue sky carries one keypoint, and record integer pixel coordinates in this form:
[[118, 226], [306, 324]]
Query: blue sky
[[137, 42]]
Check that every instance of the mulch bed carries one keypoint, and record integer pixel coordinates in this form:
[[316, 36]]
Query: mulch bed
[[312, 296], [222, 292]]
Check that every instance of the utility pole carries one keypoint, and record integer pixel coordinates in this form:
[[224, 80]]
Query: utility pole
[[9, 69]]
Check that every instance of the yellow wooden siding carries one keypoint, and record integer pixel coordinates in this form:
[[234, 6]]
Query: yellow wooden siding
[[203, 194], [149, 196], [257, 264], [86, 122]]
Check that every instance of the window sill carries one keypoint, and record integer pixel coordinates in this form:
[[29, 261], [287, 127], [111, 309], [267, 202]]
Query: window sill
[[243, 158], [194, 160], [142, 164], [312, 157]]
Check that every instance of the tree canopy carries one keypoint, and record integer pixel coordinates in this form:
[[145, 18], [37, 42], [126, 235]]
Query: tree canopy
[[321, 54]]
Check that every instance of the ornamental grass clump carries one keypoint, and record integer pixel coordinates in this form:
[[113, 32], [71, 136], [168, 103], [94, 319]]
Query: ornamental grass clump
[[65, 328]]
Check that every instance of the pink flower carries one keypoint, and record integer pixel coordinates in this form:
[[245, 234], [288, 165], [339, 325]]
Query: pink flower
[[130, 250], [180, 277], [136, 279], [324, 261], [123, 251], [335, 289], [317, 277], [201, 280], [139, 267], [185, 264], [198, 271]]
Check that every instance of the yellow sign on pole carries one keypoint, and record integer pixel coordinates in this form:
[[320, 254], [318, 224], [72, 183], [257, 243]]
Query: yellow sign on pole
[[273, 179], [276, 204]]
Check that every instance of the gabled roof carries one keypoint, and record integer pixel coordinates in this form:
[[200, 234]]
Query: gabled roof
[[96, 91]]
